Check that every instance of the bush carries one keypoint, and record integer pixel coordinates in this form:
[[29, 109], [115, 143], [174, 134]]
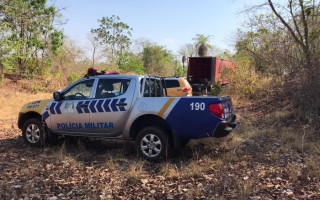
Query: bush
[[73, 77], [216, 89], [244, 80]]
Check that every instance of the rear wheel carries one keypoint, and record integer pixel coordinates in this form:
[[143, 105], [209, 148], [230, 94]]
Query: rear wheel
[[33, 132], [152, 143]]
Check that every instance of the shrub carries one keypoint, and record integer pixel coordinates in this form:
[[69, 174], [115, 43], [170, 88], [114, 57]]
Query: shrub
[[216, 89], [73, 77]]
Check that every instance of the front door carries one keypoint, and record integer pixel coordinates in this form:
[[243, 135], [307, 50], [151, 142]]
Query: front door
[[71, 115]]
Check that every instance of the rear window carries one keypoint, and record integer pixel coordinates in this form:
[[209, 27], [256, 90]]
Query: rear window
[[172, 83]]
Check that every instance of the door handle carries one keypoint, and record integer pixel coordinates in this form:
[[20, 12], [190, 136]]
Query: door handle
[[121, 104], [83, 106]]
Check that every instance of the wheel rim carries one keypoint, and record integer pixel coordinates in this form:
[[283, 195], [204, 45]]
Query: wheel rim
[[33, 133], [151, 145]]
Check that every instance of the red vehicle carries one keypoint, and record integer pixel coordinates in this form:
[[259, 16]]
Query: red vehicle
[[203, 72]]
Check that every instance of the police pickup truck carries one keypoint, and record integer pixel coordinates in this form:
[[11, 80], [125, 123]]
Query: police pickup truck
[[131, 107]]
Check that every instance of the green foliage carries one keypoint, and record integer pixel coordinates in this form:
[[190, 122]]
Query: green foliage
[[129, 62], [202, 39], [244, 80], [56, 41], [57, 75], [114, 33], [37, 87], [27, 35], [158, 60], [73, 77], [9, 49], [202, 44], [216, 89], [180, 71], [259, 44]]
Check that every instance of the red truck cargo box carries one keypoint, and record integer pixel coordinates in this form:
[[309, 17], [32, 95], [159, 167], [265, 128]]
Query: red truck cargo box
[[210, 68], [201, 68]]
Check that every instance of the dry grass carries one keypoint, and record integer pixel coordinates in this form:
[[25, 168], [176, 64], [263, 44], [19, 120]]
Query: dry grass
[[135, 170], [193, 170], [170, 170], [111, 165], [13, 102], [249, 162]]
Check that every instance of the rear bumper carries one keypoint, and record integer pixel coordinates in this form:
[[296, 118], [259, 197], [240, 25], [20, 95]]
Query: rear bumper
[[224, 128]]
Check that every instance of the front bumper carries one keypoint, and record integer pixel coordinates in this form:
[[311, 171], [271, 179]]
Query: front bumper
[[225, 127], [19, 120]]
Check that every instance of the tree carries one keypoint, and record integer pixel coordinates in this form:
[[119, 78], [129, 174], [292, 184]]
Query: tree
[[263, 43], [139, 44], [129, 62], [188, 49], [68, 59], [31, 33], [95, 44], [182, 52], [5, 50], [183, 59], [302, 20], [284, 44], [114, 33], [158, 60], [185, 51], [202, 44], [300, 25]]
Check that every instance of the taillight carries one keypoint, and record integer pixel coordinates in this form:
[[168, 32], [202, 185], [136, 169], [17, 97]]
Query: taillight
[[217, 109], [186, 89]]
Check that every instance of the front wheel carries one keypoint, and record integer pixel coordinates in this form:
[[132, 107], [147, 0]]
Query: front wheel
[[152, 143], [33, 132]]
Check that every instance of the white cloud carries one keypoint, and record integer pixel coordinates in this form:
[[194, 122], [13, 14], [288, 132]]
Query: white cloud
[[168, 40]]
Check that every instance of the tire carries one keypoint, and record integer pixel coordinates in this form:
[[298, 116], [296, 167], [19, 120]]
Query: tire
[[52, 139], [152, 143], [33, 132]]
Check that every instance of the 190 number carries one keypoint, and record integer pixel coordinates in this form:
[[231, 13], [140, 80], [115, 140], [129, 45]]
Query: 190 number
[[198, 106]]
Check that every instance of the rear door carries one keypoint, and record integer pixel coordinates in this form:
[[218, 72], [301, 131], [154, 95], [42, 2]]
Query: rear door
[[111, 105], [178, 87], [173, 87]]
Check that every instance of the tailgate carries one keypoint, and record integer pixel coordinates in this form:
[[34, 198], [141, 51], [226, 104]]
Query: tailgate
[[227, 107], [192, 118]]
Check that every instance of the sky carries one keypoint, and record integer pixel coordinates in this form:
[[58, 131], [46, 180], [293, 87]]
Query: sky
[[171, 23]]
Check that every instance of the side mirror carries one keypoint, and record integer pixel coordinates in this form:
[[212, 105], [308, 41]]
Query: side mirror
[[57, 96]]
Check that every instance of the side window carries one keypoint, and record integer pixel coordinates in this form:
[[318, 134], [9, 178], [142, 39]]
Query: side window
[[146, 92], [172, 83], [79, 91], [152, 88], [158, 88], [108, 88]]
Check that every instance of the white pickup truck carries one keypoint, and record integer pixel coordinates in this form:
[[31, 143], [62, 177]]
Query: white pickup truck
[[126, 107]]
